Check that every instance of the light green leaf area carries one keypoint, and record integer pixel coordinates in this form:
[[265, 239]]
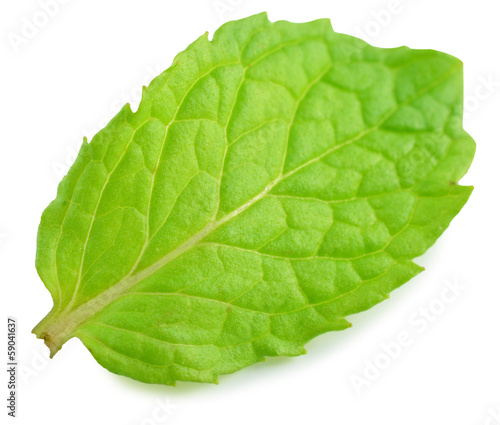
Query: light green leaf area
[[272, 182]]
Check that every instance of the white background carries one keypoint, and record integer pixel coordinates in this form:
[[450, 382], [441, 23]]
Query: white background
[[69, 76]]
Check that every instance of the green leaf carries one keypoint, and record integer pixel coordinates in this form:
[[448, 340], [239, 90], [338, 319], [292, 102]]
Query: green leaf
[[272, 182]]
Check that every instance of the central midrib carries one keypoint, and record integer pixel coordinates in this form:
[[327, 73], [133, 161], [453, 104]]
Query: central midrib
[[68, 322]]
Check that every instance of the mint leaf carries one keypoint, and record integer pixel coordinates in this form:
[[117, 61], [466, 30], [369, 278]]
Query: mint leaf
[[272, 182]]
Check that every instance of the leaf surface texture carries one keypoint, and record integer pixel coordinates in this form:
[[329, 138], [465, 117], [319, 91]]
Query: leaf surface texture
[[272, 182]]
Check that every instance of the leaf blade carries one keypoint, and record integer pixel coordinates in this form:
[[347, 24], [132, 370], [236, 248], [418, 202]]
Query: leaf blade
[[272, 182]]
